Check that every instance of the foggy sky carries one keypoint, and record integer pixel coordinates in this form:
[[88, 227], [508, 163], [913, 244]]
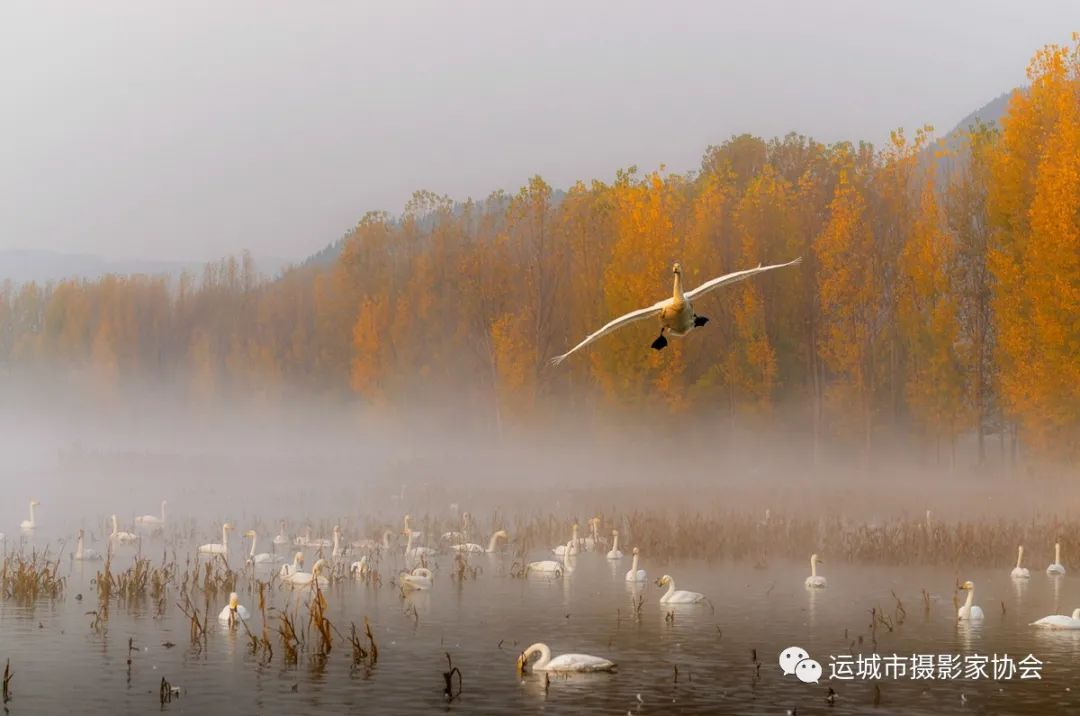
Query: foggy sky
[[195, 129]]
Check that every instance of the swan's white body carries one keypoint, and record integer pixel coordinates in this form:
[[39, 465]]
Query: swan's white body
[[473, 548], [262, 557], [281, 540], [152, 520], [676, 314], [1059, 621], [674, 596], [121, 536], [570, 547], [635, 574], [563, 662], [416, 552], [548, 567], [85, 554], [969, 612], [32, 522], [359, 568], [1056, 567], [814, 581], [222, 547], [307, 579], [1019, 572], [614, 553], [234, 607], [287, 570], [419, 579]]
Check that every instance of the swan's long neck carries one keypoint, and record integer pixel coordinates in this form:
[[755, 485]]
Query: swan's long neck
[[615, 543], [670, 588], [813, 566], [677, 292], [163, 510], [494, 540], [408, 543], [1019, 556], [1057, 552], [32, 514], [1076, 614], [79, 547], [253, 538], [386, 539], [967, 603], [282, 532], [545, 655], [337, 541], [115, 529], [225, 539], [633, 565]]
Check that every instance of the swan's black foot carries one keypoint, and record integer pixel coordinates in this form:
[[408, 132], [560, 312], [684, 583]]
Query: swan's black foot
[[660, 343], [700, 321]]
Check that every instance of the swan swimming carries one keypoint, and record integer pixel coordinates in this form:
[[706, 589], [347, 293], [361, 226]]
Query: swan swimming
[[262, 557], [221, 548], [306, 579], [85, 553], [676, 314], [594, 540], [359, 568], [233, 610], [614, 553], [570, 547], [1019, 572], [419, 579], [814, 581], [281, 539], [416, 552], [673, 596], [287, 570], [121, 536], [473, 548], [1059, 621], [563, 662], [1056, 567], [32, 522], [152, 520], [969, 612], [635, 574]]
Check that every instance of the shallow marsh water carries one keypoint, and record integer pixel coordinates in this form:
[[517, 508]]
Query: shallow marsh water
[[61, 663]]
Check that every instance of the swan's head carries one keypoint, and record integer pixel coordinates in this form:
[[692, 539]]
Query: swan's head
[[815, 558], [501, 533], [635, 550], [615, 533], [663, 581], [34, 503], [318, 566], [677, 268], [1076, 614], [337, 530], [249, 533], [298, 558], [234, 601], [968, 585], [80, 534], [227, 527]]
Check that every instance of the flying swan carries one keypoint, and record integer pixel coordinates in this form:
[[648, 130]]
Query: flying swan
[[563, 662], [676, 314]]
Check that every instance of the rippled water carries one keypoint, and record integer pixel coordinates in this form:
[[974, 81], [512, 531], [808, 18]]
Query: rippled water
[[60, 663]]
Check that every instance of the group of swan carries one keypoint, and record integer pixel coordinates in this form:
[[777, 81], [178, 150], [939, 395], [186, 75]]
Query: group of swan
[[677, 316]]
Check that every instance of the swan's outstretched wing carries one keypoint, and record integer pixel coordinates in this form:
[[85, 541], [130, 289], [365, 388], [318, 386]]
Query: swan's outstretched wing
[[638, 315], [734, 277]]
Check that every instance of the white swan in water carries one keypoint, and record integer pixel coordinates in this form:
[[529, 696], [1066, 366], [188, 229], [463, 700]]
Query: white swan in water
[[410, 530], [673, 596], [152, 520], [594, 540], [221, 548], [306, 579], [119, 535], [563, 662], [1059, 621], [968, 612], [635, 574], [614, 553], [280, 539], [233, 610], [570, 547], [547, 566], [676, 314], [288, 570], [32, 522], [814, 581], [419, 579], [262, 557], [1056, 567], [473, 548], [370, 545], [416, 552], [359, 568], [314, 543], [85, 553], [1019, 572]]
